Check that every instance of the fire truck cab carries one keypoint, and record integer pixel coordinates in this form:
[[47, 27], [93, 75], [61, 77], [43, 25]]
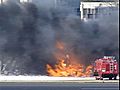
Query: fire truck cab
[[106, 67]]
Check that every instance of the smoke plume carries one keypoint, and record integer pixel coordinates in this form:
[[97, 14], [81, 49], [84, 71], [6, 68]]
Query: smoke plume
[[28, 33]]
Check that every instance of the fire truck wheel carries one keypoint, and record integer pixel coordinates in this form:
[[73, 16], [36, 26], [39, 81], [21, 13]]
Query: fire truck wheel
[[97, 78], [115, 78], [110, 78]]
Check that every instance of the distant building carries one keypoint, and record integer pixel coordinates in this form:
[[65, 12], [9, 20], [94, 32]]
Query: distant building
[[25, 1], [22, 1], [93, 9], [2, 1]]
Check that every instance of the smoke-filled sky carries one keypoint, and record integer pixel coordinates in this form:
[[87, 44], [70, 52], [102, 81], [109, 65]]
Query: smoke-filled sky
[[28, 34]]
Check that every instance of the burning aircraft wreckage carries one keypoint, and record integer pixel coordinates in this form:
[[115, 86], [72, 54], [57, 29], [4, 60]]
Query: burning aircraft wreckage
[[51, 42], [67, 64]]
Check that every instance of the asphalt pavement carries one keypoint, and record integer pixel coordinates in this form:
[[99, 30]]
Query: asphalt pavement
[[59, 86]]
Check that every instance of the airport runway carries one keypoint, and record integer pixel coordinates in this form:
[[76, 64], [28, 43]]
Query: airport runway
[[58, 86]]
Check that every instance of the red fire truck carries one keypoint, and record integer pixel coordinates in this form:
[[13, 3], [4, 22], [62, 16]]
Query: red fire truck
[[106, 67]]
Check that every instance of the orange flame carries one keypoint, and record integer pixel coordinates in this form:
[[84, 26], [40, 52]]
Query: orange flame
[[60, 45], [65, 67], [62, 69]]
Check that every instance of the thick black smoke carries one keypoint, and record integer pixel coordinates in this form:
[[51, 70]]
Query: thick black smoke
[[28, 34]]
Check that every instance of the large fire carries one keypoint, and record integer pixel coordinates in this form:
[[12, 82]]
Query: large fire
[[66, 66]]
